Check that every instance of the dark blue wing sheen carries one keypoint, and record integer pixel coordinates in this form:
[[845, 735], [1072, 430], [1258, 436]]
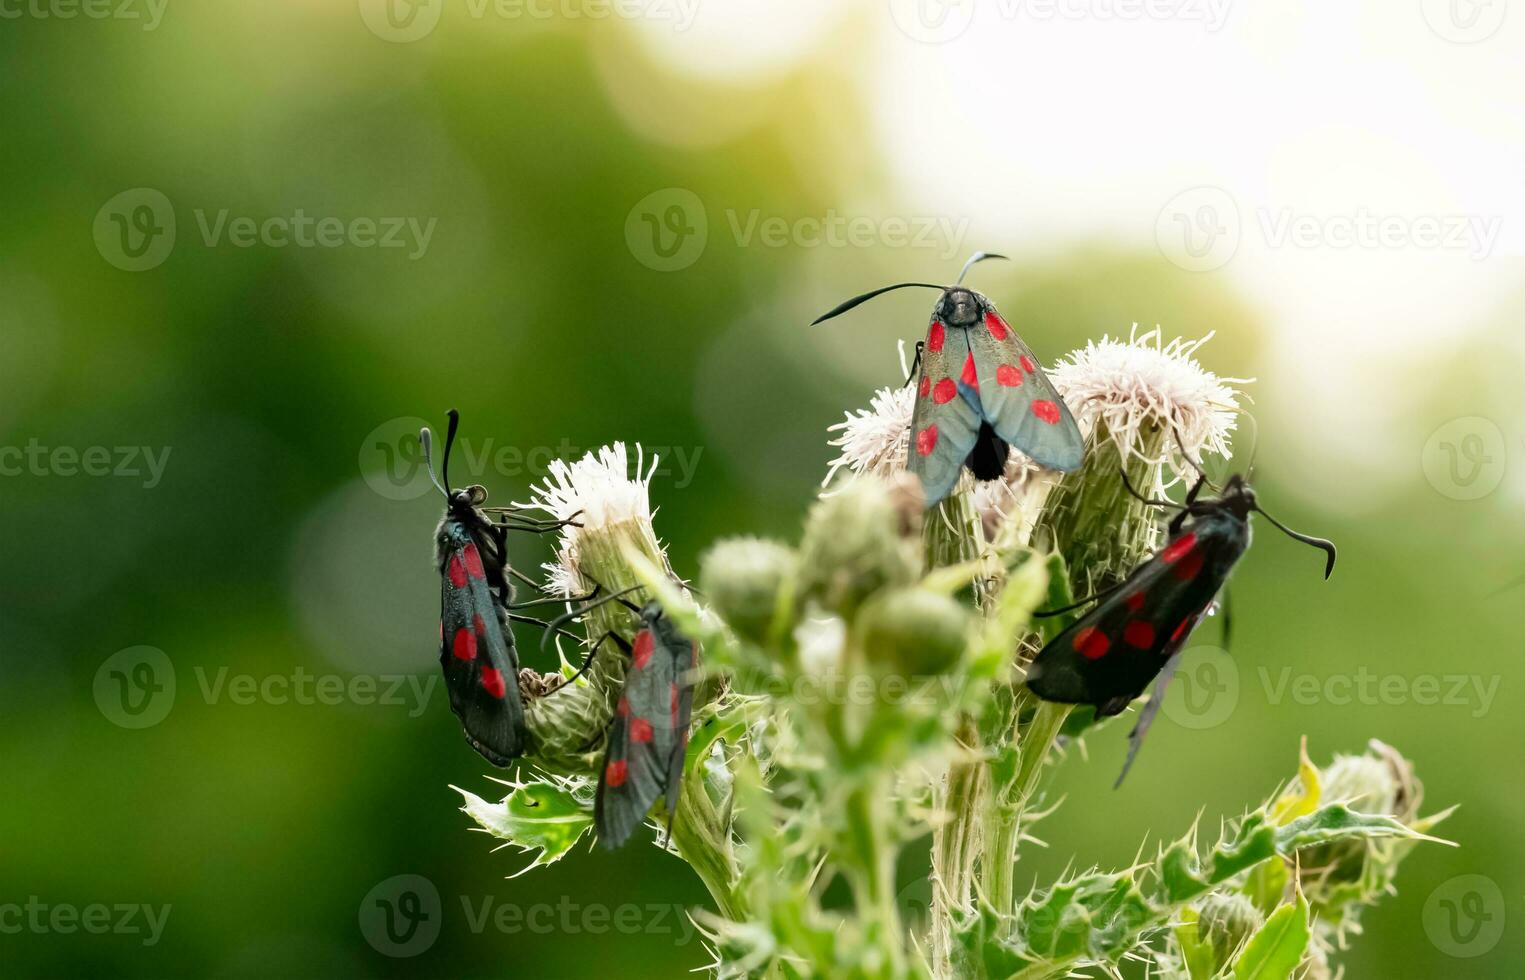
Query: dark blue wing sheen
[[1108, 656], [647, 741], [1017, 398], [944, 426], [477, 652]]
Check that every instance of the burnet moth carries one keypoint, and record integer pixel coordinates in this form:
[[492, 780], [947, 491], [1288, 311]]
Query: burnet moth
[[979, 392], [648, 737], [477, 652], [1135, 634]]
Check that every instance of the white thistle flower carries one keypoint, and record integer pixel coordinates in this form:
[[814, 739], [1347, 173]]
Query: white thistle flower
[[874, 440], [598, 492], [1129, 384]]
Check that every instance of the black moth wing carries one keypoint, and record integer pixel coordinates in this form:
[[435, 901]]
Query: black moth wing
[[944, 424], [1108, 656], [477, 654], [649, 735], [1017, 398]]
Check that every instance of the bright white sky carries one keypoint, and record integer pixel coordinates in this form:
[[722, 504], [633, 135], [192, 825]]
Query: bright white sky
[[1255, 121]]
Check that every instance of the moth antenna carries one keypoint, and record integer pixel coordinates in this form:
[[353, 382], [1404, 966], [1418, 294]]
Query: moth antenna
[[426, 439], [1194, 464], [974, 260], [557, 623], [455, 422], [1323, 544], [1151, 502], [859, 300]]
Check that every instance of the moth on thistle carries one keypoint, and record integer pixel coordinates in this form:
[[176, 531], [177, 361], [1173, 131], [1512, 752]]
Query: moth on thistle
[[1107, 657], [979, 392], [477, 652], [648, 737]]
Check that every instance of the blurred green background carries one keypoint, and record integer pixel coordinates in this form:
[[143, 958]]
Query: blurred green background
[[564, 167]]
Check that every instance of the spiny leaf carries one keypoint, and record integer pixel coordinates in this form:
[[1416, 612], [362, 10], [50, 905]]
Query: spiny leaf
[[1274, 952], [540, 815]]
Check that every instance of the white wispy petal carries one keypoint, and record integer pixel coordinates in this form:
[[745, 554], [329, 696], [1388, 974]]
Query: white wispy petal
[[597, 491], [1128, 384]]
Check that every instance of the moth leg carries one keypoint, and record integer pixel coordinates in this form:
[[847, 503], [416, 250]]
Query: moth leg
[[530, 620], [915, 363], [552, 598], [1093, 597], [1146, 716], [1151, 502], [1228, 617], [619, 641]]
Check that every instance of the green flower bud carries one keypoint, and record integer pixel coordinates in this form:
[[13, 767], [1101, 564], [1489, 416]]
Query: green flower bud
[[1225, 922], [743, 579], [914, 631], [856, 543]]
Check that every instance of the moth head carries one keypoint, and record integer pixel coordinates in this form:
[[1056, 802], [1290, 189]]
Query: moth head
[[961, 307], [473, 496]]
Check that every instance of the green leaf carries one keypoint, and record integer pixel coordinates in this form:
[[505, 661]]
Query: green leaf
[[1274, 952], [540, 815], [1196, 954]]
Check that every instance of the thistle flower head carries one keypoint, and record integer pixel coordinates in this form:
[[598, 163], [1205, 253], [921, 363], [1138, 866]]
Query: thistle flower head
[[1144, 384], [874, 440], [599, 493]]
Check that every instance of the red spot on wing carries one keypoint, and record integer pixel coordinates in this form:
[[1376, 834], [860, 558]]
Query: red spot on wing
[[640, 730], [673, 698], [997, 326], [623, 707], [1091, 643], [945, 391], [474, 562], [935, 336], [971, 376], [1179, 547], [1139, 634], [1008, 376], [926, 385], [492, 682], [464, 646], [477, 626], [1135, 602], [1028, 365], [1046, 410], [926, 440], [614, 773], [640, 653], [1188, 568], [1182, 629], [457, 571]]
